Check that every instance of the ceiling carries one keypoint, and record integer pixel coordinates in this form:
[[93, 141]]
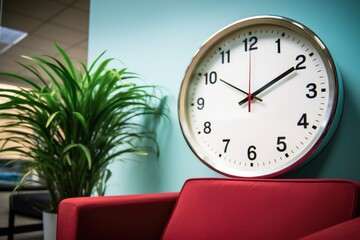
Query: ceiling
[[64, 22]]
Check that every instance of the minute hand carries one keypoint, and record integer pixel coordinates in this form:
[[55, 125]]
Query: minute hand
[[269, 84]]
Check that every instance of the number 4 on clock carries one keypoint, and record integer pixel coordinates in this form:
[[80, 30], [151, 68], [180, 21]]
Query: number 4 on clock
[[303, 121]]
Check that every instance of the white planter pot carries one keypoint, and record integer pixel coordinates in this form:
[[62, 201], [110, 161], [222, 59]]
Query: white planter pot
[[50, 225]]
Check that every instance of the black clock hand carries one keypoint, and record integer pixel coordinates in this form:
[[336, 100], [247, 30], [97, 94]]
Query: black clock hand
[[269, 84], [240, 90]]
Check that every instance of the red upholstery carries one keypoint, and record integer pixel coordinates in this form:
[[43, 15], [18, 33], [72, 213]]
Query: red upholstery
[[125, 217], [344, 231], [260, 209], [216, 209]]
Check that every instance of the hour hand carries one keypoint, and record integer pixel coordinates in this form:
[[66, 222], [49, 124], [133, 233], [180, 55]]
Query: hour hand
[[240, 90]]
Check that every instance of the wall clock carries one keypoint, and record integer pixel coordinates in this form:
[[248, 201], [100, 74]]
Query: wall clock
[[261, 97]]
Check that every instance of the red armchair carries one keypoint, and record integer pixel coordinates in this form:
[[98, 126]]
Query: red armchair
[[116, 217], [220, 209]]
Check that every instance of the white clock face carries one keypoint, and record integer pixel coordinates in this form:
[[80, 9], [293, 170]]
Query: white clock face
[[258, 99]]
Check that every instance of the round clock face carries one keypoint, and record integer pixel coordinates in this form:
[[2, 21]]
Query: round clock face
[[259, 97]]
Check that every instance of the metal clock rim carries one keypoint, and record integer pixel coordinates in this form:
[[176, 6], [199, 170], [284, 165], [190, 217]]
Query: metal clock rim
[[228, 30]]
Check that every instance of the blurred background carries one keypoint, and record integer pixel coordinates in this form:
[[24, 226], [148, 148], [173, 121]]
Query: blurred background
[[31, 27]]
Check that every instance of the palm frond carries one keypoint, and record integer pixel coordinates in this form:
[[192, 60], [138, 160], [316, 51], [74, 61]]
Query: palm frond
[[75, 120]]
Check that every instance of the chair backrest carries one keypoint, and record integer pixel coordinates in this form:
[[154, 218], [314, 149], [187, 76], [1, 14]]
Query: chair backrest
[[260, 209]]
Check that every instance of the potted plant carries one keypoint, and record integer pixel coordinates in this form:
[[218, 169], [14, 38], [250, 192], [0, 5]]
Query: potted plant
[[75, 120]]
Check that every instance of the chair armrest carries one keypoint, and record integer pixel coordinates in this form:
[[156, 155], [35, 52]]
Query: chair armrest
[[142, 216], [349, 230]]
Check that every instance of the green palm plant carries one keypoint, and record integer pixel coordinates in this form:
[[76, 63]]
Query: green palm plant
[[74, 121]]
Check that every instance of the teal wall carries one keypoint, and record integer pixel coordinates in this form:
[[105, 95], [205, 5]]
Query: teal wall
[[158, 39]]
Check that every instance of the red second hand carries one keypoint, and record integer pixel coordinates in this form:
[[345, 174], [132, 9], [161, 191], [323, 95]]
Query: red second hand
[[249, 90]]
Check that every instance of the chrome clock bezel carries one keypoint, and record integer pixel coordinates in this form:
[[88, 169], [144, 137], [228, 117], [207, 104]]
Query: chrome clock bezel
[[334, 107]]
